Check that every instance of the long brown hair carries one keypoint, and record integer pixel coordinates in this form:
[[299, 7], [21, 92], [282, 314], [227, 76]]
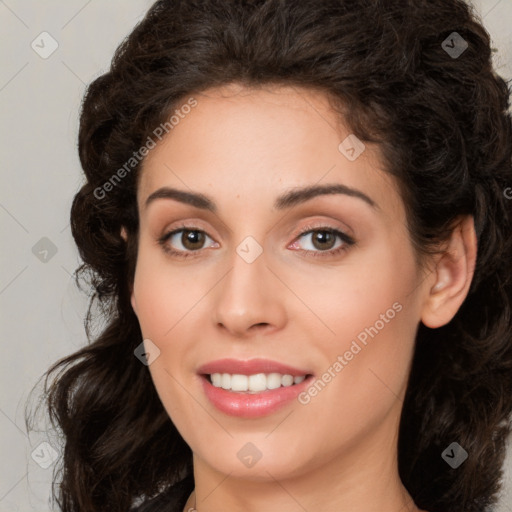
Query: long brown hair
[[444, 129]]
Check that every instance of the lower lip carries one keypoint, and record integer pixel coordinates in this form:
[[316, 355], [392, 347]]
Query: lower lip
[[252, 405]]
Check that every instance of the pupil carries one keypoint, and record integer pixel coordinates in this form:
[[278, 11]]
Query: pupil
[[323, 237], [191, 238]]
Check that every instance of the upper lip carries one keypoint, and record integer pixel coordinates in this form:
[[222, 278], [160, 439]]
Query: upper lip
[[250, 367]]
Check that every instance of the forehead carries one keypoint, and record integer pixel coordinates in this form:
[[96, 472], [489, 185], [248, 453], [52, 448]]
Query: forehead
[[257, 141]]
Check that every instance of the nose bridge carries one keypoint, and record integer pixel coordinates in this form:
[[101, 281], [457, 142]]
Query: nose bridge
[[249, 294]]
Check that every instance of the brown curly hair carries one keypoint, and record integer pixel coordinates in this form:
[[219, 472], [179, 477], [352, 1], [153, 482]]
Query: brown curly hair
[[444, 129]]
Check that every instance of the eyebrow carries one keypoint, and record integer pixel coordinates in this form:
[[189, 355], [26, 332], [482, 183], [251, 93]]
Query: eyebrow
[[287, 200]]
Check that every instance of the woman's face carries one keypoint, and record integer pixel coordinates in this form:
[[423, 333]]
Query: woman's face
[[245, 284]]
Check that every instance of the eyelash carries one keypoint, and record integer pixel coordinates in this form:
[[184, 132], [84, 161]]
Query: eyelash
[[346, 239]]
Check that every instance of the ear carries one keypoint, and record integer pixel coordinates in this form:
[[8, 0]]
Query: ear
[[134, 304], [452, 275], [124, 236]]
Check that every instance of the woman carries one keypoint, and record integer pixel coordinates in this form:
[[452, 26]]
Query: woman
[[296, 217]]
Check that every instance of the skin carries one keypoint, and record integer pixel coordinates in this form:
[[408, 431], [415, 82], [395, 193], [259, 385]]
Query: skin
[[242, 148]]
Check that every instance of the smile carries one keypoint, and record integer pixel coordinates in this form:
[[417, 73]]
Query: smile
[[253, 383], [254, 388]]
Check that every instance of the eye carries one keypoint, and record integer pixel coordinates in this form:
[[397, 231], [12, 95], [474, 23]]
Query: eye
[[190, 239], [323, 241]]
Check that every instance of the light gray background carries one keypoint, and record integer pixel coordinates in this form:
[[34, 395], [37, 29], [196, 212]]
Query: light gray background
[[41, 310]]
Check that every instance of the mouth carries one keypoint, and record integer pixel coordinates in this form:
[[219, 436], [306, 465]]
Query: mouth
[[255, 383], [254, 388]]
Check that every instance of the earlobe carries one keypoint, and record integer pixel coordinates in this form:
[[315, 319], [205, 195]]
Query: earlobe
[[453, 275], [124, 233]]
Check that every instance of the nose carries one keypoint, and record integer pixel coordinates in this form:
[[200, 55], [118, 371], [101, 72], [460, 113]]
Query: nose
[[250, 299]]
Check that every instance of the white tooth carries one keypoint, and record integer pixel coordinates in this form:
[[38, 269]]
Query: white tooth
[[273, 380], [226, 381], [258, 382], [239, 382], [254, 383], [287, 380], [216, 379]]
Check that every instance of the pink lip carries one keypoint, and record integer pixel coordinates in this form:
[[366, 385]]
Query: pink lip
[[251, 405], [250, 367]]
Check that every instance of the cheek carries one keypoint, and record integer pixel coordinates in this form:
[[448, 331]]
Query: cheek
[[165, 298], [363, 294], [163, 294], [372, 314]]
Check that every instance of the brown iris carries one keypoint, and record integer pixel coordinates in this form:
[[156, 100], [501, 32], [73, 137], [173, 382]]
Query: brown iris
[[192, 239], [323, 237]]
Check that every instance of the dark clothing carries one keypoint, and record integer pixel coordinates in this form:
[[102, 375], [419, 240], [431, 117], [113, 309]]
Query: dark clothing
[[171, 500]]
